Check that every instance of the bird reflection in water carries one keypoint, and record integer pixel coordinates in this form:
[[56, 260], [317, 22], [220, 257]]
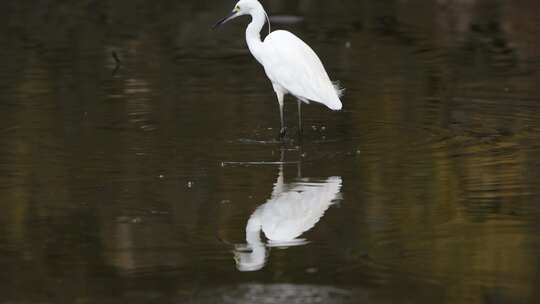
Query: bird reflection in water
[[293, 209]]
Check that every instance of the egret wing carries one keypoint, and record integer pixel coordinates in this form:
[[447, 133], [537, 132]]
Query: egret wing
[[297, 210], [293, 65]]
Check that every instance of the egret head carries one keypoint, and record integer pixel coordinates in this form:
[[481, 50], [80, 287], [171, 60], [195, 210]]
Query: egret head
[[250, 257], [243, 7]]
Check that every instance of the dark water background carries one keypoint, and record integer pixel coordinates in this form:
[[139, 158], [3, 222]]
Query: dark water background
[[131, 186]]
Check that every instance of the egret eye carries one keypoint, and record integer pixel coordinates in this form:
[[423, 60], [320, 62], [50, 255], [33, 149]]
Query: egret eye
[[237, 8]]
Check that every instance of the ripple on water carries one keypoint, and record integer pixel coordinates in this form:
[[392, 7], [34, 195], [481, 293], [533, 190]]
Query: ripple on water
[[278, 293]]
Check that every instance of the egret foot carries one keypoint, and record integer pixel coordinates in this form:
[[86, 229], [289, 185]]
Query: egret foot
[[283, 133]]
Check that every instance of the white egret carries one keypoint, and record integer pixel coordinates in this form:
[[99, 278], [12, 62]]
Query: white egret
[[290, 64], [293, 209]]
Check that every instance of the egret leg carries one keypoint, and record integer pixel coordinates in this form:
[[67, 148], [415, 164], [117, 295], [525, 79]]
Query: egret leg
[[299, 164], [283, 130], [299, 117]]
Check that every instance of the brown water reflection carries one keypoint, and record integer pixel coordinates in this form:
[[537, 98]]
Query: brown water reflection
[[115, 185]]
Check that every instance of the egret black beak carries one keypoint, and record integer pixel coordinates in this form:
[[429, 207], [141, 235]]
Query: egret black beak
[[231, 16]]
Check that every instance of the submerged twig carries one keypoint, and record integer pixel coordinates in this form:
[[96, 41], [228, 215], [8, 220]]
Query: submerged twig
[[259, 163], [117, 61]]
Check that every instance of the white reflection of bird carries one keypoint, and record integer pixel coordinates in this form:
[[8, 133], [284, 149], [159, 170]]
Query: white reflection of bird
[[290, 64], [292, 209]]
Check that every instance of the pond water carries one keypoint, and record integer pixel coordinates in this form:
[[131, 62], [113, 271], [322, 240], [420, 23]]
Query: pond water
[[159, 179]]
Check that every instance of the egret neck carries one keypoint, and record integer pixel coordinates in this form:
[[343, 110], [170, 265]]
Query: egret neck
[[253, 32], [253, 229]]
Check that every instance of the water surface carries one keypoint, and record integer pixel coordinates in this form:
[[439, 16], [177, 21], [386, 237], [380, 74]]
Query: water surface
[[137, 182]]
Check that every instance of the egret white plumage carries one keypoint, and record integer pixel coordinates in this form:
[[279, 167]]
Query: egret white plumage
[[290, 64], [293, 209]]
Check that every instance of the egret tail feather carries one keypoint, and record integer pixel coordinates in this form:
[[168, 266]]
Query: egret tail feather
[[340, 90]]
